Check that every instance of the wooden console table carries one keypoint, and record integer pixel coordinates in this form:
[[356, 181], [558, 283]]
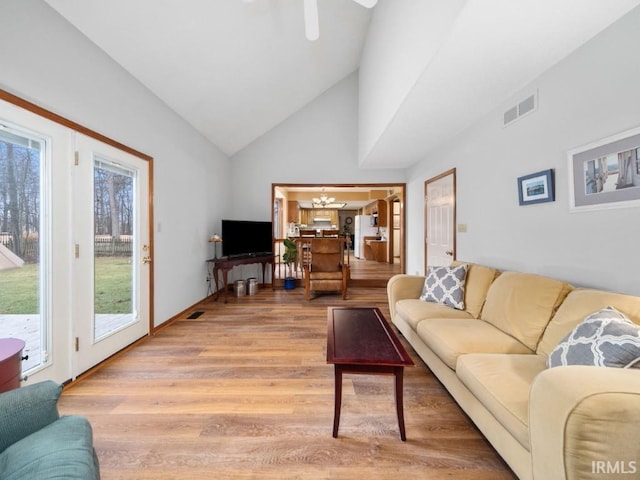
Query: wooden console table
[[225, 264]]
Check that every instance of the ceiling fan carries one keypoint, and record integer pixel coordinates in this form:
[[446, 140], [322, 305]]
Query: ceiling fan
[[311, 26]]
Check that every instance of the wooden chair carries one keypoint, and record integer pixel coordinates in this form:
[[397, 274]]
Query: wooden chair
[[326, 272], [331, 233], [304, 251]]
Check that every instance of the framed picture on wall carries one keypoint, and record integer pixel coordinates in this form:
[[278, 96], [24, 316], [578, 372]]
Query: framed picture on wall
[[536, 188], [606, 173]]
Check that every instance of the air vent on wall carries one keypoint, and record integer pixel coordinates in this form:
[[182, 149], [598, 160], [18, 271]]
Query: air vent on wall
[[526, 106]]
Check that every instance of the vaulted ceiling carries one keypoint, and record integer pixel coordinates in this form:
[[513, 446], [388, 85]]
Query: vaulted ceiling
[[235, 69]]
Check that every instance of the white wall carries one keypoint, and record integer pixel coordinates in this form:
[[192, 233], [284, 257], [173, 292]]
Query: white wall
[[318, 144], [402, 39], [590, 95], [47, 61]]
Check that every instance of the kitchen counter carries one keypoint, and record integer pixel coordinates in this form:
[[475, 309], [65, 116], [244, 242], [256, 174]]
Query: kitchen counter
[[378, 249]]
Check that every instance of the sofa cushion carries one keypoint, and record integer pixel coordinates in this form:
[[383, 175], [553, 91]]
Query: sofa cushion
[[479, 279], [62, 449], [580, 303], [445, 285], [502, 384], [521, 304], [604, 339], [451, 337], [413, 311]]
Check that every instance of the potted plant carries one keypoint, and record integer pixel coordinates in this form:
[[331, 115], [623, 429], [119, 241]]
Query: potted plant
[[289, 257]]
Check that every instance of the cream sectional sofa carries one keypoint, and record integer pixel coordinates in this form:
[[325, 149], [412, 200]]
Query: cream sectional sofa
[[569, 422]]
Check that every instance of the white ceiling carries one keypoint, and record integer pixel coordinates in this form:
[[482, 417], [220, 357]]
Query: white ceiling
[[234, 69], [488, 51]]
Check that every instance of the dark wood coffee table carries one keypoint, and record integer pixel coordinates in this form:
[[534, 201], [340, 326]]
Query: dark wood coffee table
[[359, 340]]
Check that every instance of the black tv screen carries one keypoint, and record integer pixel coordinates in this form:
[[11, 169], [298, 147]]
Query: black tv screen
[[246, 237]]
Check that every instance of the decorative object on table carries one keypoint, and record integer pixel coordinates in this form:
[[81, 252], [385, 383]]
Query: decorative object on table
[[606, 173], [289, 257], [536, 188], [215, 239]]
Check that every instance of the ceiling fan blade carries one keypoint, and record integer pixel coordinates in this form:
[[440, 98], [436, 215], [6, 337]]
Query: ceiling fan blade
[[367, 3], [311, 27]]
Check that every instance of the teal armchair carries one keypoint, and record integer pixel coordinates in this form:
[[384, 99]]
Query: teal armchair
[[37, 443]]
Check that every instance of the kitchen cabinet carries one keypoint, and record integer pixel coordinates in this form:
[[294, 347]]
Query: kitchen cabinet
[[293, 212], [379, 208], [382, 213], [308, 216]]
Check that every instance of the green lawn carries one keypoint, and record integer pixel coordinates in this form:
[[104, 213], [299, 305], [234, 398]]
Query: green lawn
[[19, 287], [19, 290]]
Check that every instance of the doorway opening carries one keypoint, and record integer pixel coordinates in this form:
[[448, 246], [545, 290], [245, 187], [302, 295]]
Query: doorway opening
[[314, 209]]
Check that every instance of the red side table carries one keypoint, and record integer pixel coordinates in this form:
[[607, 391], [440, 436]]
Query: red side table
[[10, 363]]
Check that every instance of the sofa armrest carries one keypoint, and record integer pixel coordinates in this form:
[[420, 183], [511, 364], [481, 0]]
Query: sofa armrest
[[26, 410], [583, 423], [403, 286]]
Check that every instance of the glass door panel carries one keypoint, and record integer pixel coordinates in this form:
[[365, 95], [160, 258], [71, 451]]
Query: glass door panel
[[23, 303], [114, 219]]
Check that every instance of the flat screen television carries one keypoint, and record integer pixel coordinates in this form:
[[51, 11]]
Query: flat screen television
[[246, 237]]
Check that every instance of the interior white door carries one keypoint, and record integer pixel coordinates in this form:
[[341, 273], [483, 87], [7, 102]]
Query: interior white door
[[111, 275], [440, 205]]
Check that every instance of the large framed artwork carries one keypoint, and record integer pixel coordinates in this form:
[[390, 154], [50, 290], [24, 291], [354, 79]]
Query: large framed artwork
[[606, 173], [536, 188]]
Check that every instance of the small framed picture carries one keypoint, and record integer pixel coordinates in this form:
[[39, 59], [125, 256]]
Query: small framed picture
[[536, 188], [606, 173]]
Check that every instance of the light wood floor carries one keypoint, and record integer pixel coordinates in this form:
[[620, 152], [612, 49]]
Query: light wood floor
[[244, 392]]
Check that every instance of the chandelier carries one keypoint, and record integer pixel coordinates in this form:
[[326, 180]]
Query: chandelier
[[325, 201]]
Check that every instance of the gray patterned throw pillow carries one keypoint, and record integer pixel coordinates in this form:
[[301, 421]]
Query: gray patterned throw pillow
[[604, 339], [445, 285]]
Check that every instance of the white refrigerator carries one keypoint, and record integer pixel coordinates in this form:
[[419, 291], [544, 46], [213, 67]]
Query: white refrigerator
[[363, 228]]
